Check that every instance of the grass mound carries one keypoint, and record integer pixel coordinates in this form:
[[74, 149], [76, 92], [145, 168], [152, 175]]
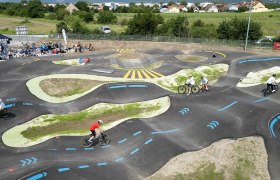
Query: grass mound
[[61, 87]]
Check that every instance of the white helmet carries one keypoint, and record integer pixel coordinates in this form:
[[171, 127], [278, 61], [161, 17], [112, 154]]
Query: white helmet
[[100, 121]]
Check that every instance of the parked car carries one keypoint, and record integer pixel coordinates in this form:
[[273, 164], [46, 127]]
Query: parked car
[[106, 29], [267, 41]]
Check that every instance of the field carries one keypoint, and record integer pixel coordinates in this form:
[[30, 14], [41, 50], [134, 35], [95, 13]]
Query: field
[[270, 21]]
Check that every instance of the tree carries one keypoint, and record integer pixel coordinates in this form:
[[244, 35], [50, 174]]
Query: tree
[[88, 17], [177, 26], [80, 28], [61, 14], [184, 3], [35, 9], [170, 3], [201, 30], [236, 29], [144, 23], [61, 25], [82, 6], [106, 17], [243, 9]]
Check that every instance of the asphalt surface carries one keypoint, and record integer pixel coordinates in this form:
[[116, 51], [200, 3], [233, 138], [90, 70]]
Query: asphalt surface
[[139, 147]]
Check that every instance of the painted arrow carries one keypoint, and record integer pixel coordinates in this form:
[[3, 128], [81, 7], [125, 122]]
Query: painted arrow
[[32, 160], [38, 176], [184, 111]]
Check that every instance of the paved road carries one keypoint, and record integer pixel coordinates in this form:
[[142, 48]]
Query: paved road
[[139, 147]]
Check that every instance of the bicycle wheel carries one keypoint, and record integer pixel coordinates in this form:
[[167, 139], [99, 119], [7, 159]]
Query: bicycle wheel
[[266, 93], [276, 87], [84, 141], [195, 89], [104, 140], [182, 89]]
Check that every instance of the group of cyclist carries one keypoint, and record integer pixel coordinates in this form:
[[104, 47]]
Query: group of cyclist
[[190, 82]]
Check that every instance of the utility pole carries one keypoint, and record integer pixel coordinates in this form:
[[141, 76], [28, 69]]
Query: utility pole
[[248, 28]]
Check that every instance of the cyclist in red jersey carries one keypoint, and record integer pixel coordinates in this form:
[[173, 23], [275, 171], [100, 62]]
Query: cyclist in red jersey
[[92, 128]]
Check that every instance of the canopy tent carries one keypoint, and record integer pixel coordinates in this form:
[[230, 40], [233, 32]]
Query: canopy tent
[[5, 39]]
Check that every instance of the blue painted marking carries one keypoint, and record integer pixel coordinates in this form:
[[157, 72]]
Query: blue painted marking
[[134, 151], [11, 99], [88, 149], [38, 176], [10, 105], [122, 141], [137, 133], [70, 149], [263, 99], [106, 146], [231, 104], [84, 166], [52, 149], [148, 141], [137, 85], [23, 162], [34, 160], [272, 124], [258, 60], [102, 164], [117, 86], [119, 159], [63, 169], [27, 104], [165, 132]]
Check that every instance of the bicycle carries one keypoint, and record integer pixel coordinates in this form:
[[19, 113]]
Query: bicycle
[[3, 111], [195, 89], [267, 91], [101, 137]]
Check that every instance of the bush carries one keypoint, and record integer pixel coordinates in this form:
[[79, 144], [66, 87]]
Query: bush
[[124, 22], [51, 16], [61, 25], [106, 17]]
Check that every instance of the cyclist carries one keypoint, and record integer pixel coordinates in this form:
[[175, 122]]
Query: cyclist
[[93, 127], [271, 82], [2, 105], [204, 83], [190, 82]]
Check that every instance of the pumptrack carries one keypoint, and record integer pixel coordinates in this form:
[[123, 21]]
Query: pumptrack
[[139, 147]]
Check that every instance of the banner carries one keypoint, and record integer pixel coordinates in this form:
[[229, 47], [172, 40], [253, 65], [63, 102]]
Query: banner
[[64, 36], [276, 46]]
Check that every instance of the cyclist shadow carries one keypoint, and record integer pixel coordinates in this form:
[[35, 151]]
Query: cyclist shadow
[[7, 116]]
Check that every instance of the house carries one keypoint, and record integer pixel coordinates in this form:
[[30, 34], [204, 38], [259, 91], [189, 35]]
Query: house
[[257, 6], [173, 9], [232, 7], [211, 8], [195, 9], [71, 7]]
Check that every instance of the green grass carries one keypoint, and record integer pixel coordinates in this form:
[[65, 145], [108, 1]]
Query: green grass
[[269, 21], [243, 169], [79, 122], [206, 172], [265, 78]]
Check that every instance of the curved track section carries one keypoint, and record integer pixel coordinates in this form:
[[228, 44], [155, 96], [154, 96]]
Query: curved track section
[[139, 147]]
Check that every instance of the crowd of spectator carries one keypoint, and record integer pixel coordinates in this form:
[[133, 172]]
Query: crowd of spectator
[[46, 48]]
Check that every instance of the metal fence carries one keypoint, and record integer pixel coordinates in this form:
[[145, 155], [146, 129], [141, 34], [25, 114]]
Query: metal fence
[[174, 39]]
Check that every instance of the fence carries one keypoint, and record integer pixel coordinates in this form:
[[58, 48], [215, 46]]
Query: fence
[[174, 39]]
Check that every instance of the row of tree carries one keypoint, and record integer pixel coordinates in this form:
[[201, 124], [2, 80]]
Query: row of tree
[[154, 24]]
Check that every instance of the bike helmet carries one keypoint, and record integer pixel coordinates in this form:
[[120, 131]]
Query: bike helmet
[[100, 121], [274, 75]]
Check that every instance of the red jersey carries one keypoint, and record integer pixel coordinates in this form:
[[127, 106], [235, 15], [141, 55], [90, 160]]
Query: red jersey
[[94, 126]]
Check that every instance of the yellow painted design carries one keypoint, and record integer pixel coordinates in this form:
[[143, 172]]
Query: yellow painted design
[[150, 73], [133, 75], [146, 75], [139, 75], [158, 74], [127, 74]]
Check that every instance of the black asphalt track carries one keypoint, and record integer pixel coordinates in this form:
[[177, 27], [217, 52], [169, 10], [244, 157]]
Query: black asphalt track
[[139, 147]]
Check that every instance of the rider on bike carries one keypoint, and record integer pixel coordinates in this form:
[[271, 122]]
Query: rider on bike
[[190, 82], [271, 82], [2, 105], [204, 83], [93, 127]]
